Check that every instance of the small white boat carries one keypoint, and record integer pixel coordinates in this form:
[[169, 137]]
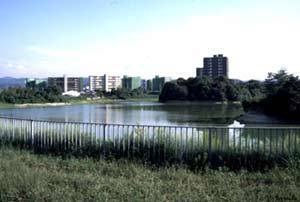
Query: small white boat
[[236, 124], [235, 130]]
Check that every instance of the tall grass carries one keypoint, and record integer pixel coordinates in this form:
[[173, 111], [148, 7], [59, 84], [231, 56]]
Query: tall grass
[[29, 177]]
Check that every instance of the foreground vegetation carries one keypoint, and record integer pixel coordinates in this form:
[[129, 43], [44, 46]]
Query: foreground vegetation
[[28, 177]]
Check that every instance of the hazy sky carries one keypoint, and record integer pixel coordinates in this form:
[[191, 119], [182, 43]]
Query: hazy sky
[[40, 38]]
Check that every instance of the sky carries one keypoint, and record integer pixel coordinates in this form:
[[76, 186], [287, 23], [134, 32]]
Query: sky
[[41, 38]]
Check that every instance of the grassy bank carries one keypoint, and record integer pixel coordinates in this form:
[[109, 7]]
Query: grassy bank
[[28, 177], [5, 105], [76, 101], [110, 100]]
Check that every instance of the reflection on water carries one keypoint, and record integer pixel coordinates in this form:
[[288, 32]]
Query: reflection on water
[[143, 113], [147, 113]]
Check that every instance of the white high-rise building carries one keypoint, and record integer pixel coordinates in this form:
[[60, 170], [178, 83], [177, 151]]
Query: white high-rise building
[[96, 82], [104, 82]]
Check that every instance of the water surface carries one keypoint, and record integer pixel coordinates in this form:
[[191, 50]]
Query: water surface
[[144, 113]]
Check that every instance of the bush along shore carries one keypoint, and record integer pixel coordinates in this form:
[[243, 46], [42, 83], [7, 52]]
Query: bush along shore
[[29, 177], [41, 94], [278, 95]]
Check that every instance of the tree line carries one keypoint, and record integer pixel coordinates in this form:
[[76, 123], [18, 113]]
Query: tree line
[[32, 94], [41, 93], [207, 89], [121, 93], [278, 95]]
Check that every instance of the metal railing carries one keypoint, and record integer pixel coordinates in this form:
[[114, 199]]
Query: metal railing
[[155, 143]]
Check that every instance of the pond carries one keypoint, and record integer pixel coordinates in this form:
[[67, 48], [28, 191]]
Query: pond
[[145, 113]]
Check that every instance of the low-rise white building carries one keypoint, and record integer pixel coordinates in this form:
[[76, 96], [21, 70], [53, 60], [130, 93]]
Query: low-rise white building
[[72, 93]]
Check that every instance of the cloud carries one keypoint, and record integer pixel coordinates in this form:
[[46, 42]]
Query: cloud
[[255, 46], [257, 36]]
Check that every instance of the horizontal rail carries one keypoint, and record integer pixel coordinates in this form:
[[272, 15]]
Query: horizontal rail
[[146, 125]]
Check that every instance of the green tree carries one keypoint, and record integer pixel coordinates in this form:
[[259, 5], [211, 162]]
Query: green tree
[[282, 95]]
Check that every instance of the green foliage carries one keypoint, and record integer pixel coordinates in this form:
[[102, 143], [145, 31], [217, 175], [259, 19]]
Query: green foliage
[[99, 93], [255, 88], [122, 93], [278, 95], [201, 89], [282, 95], [28, 177], [173, 91], [32, 94], [33, 85], [138, 92]]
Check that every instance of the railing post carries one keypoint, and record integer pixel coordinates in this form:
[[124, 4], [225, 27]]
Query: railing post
[[128, 142], [295, 142], [13, 130], [209, 145], [153, 143], [32, 133], [104, 126], [181, 145]]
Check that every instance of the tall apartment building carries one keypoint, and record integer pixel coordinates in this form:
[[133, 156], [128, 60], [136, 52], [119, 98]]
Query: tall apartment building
[[67, 83], [144, 84], [131, 83], [149, 85], [105, 83], [159, 82], [199, 72], [213, 67]]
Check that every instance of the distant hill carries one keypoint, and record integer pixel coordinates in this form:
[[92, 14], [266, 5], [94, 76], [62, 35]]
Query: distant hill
[[6, 82]]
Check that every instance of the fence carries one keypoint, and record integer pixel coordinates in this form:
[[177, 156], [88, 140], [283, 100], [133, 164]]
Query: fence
[[154, 143]]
